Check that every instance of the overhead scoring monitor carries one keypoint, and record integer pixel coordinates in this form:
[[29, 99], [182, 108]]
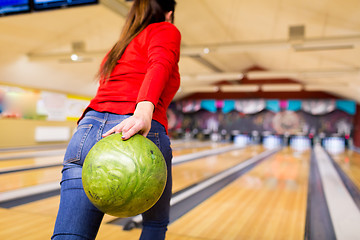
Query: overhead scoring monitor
[[48, 4], [14, 6]]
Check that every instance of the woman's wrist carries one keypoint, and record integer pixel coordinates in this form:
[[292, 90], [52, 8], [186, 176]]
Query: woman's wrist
[[144, 110]]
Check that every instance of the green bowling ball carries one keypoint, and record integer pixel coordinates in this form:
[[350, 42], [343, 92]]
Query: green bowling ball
[[124, 178]]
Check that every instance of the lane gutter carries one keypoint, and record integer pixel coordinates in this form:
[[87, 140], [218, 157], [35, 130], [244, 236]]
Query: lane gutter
[[344, 212]]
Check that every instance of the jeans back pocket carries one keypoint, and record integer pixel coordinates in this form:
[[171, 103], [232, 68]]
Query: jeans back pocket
[[75, 151]]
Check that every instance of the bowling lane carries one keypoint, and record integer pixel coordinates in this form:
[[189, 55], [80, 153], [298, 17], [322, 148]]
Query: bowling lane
[[48, 206], [349, 161], [177, 144], [184, 175], [269, 202], [15, 225], [18, 160], [17, 180], [195, 171], [31, 152], [14, 164], [210, 165], [197, 147]]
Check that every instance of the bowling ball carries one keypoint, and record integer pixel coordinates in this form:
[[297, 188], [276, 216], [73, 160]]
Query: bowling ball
[[124, 178]]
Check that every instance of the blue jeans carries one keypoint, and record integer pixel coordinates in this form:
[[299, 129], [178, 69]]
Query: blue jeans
[[77, 217]]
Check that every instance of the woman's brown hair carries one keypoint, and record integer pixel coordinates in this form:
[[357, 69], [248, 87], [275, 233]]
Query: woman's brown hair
[[142, 13]]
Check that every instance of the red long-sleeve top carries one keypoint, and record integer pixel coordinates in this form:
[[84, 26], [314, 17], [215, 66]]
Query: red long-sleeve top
[[147, 71]]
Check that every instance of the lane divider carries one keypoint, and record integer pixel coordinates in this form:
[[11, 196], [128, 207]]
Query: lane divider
[[345, 215], [318, 221], [34, 148], [28, 191], [17, 169]]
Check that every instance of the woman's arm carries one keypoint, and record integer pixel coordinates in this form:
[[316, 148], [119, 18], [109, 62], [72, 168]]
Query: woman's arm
[[163, 55]]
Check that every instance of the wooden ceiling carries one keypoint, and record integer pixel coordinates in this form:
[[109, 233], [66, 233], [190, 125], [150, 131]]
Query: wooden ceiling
[[230, 48]]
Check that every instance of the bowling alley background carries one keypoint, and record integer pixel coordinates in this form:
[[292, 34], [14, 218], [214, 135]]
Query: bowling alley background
[[35, 117], [265, 127], [293, 74], [308, 117], [203, 119]]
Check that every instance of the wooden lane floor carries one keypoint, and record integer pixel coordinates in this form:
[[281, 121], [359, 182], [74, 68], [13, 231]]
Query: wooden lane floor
[[24, 159], [349, 162], [28, 156], [195, 171], [15, 225], [27, 152], [31, 177], [183, 143], [196, 147], [269, 202], [209, 165], [56, 157], [28, 163], [184, 175], [18, 180]]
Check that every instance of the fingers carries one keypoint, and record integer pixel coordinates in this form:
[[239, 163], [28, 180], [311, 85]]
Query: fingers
[[108, 133], [128, 134], [117, 129], [145, 133], [135, 125], [129, 127], [111, 131]]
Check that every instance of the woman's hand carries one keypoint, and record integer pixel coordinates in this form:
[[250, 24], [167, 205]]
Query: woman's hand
[[140, 122]]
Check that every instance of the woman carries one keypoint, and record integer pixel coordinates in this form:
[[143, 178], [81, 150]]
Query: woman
[[138, 79]]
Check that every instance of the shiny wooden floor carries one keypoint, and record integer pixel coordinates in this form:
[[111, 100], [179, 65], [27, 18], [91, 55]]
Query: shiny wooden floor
[[16, 180], [267, 202], [349, 162]]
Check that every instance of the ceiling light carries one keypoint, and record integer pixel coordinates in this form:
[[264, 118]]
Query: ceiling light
[[212, 77], [252, 75], [271, 74], [219, 76], [206, 50], [188, 89], [240, 88], [299, 44], [74, 57], [324, 87], [281, 87]]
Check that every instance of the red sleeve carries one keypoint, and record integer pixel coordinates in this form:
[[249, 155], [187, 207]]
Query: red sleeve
[[163, 56]]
